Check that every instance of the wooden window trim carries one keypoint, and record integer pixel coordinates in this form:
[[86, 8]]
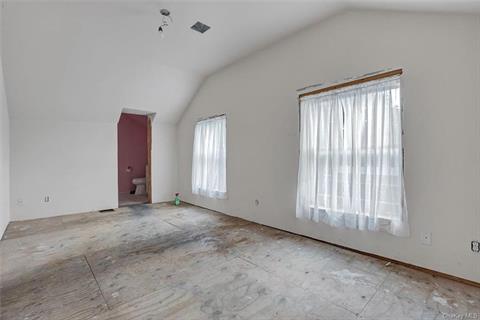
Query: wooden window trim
[[374, 77]]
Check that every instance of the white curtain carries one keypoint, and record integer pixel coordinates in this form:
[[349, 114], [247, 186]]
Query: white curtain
[[351, 160], [209, 177]]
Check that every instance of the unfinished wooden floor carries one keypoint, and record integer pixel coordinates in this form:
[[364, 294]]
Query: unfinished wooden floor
[[165, 262]]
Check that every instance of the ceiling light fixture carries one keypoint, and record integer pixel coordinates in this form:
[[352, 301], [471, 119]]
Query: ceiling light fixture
[[166, 21]]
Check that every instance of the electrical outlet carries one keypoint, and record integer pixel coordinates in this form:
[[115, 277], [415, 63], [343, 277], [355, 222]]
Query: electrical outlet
[[475, 246], [427, 238]]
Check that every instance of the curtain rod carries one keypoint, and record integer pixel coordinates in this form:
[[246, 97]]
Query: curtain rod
[[212, 117], [349, 82]]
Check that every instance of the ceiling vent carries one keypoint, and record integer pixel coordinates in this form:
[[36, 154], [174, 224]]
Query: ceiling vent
[[200, 27]]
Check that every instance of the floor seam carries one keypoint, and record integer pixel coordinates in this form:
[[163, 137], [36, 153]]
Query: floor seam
[[174, 225], [96, 281], [376, 291], [240, 256]]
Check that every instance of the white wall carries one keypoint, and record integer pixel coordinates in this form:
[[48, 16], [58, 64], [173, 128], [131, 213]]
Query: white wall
[[75, 164], [164, 162], [440, 57], [65, 98], [4, 157], [4, 148]]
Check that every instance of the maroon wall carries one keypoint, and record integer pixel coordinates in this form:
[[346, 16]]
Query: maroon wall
[[132, 150]]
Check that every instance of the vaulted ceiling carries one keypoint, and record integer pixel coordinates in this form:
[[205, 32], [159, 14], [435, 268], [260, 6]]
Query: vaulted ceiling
[[87, 61]]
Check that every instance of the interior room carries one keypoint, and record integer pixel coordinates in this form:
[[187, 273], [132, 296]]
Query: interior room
[[240, 159], [132, 159]]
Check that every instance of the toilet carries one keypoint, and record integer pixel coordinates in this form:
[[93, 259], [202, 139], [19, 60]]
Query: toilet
[[140, 185]]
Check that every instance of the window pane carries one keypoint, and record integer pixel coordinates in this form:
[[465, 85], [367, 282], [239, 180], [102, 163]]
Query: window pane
[[209, 158], [351, 166]]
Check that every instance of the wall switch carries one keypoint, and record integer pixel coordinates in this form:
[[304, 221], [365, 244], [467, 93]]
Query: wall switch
[[46, 199], [427, 238], [475, 246], [257, 202], [19, 202]]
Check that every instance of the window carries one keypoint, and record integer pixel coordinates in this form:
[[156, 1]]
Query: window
[[351, 157], [209, 158]]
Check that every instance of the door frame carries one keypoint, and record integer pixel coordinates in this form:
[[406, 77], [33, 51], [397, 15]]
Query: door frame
[[149, 159]]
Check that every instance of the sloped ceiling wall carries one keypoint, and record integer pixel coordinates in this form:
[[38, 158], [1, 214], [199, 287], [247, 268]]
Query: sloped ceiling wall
[[86, 61]]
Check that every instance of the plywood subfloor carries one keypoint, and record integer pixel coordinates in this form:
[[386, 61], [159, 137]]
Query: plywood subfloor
[[165, 262]]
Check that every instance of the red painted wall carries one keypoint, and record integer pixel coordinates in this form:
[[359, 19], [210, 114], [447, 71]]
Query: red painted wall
[[132, 150]]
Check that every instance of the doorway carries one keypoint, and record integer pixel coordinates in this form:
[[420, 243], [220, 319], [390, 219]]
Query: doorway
[[134, 159]]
